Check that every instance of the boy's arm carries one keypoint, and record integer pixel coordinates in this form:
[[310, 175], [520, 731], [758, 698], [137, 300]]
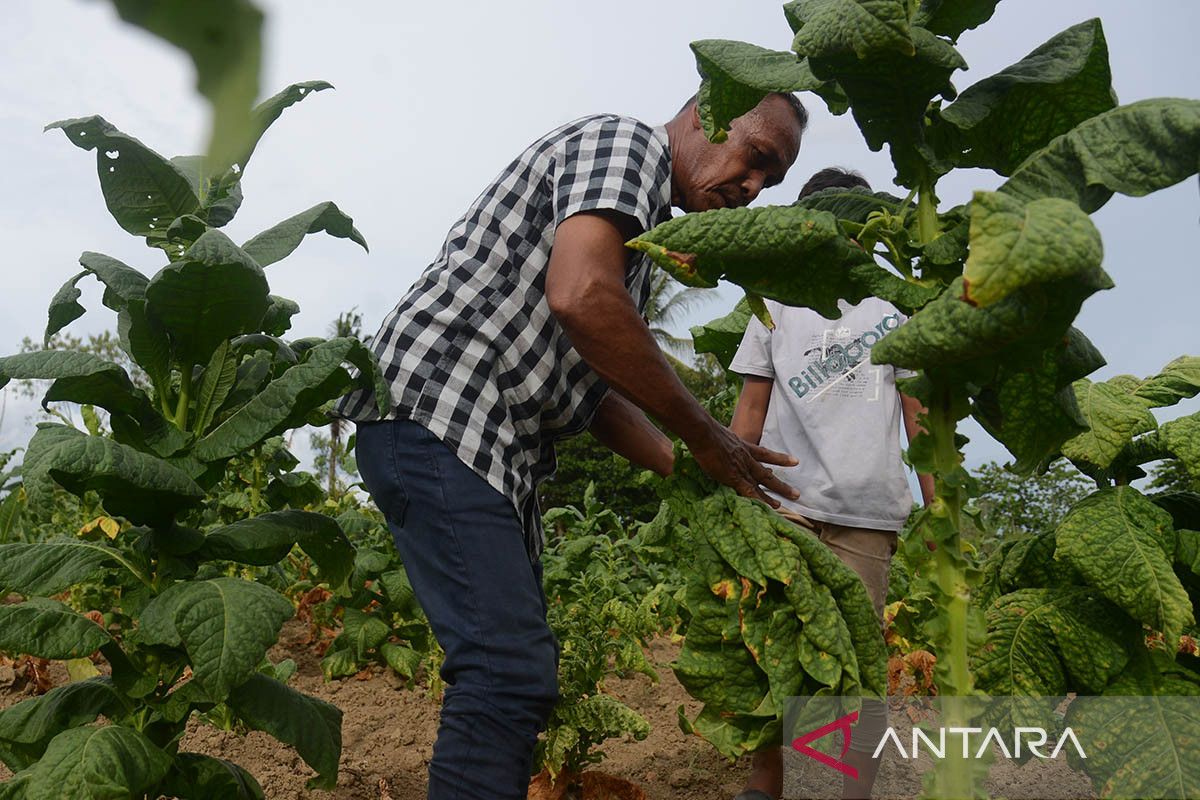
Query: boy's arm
[[751, 409], [621, 426], [912, 409]]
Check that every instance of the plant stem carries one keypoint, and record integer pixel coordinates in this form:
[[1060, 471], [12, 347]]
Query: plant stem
[[185, 391], [928, 226]]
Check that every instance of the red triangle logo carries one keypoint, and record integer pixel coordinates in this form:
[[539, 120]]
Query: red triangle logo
[[843, 724]]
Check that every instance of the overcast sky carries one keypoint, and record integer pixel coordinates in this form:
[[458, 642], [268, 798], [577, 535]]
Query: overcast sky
[[433, 99]]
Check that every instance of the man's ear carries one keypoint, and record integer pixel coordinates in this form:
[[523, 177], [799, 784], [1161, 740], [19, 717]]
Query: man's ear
[[695, 115]]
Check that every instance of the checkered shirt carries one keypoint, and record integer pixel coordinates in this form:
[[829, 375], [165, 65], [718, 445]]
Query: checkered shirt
[[473, 353]]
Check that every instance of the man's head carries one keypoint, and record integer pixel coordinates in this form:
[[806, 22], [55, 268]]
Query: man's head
[[762, 146], [833, 178]]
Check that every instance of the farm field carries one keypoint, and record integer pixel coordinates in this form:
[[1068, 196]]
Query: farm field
[[221, 581]]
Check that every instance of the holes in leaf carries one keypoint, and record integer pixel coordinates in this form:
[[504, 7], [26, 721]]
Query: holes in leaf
[[112, 169], [151, 225], [236, 169], [113, 154], [147, 197], [83, 133]]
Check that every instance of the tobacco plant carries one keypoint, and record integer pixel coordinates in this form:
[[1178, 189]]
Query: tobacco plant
[[223, 385], [992, 287]]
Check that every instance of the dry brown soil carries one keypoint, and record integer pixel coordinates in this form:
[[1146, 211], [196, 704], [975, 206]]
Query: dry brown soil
[[388, 732]]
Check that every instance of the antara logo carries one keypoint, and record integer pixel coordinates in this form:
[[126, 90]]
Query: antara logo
[[1033, 740]]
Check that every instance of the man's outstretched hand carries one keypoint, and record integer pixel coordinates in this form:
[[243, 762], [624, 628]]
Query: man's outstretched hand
[[727, 458]]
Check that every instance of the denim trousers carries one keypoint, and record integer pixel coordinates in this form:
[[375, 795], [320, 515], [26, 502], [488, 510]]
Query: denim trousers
[[463, 547]]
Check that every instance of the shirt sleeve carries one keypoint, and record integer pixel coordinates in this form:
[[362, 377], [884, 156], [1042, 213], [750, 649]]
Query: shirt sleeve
[[616, 164], [753, 356]]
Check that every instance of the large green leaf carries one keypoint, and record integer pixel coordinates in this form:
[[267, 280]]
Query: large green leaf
[[225, 624], [312, 726], [48, 629], [216, 384], [224, 40], [143, 191], [733, 735], [889, 93], [951, 331], [854, 204], [736, 76], [265, 113], [277, 242], [27, 727], [1030, 407], [1134, 149], [1015, 244], [723, 335], [1051, 641], [791, 254], [1113, 415], [78, 377], [1124, 545], [1000, 121], [1154, 753], [146, 342], [1182, 438], [199, 777], [288, 400], [213, 293], [267, 538], [862, 28], [723, 675], [952, 17], [49, 567], [141, 487], [110, 762], [122, 284], [1177, 381], [64, 308]]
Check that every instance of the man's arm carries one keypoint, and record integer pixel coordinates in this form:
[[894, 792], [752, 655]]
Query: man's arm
[[751, 410], [912, 410], [621, 426], [585, 289]]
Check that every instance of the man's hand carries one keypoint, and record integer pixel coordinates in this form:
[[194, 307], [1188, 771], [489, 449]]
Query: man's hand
[[729, 459], [912, 410], [585, 289]]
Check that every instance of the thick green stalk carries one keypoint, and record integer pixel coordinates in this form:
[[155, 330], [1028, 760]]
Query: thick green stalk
[[185, 391], [955, 777], [928, 226]]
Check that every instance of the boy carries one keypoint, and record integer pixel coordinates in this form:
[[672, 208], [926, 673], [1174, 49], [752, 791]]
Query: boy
[[812, 392]]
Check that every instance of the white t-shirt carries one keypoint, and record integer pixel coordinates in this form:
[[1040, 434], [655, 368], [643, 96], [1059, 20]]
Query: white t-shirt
[[833, 410]]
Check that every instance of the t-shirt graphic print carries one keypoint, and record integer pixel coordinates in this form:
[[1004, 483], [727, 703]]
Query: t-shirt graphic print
[[833, 410]]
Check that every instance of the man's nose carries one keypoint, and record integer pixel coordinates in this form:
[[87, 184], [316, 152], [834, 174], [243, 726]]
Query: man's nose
[[752, 185]]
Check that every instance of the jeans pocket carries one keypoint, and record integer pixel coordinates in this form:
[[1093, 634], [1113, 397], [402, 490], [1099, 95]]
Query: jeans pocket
[[375, 452]]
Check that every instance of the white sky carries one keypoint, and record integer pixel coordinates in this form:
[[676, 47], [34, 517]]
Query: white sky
[[433, 99]]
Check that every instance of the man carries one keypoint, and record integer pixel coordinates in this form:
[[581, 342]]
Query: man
[[811, 391], [512, 339]]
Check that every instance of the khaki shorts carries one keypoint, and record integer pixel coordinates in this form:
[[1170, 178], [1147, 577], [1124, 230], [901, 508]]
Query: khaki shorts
[[869, 553]]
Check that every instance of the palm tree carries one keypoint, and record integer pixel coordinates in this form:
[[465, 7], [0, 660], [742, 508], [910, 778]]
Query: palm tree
[[669, 300], [348, 323]]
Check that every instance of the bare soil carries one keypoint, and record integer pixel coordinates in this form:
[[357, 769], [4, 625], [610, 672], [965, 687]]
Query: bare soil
[[388, 731]]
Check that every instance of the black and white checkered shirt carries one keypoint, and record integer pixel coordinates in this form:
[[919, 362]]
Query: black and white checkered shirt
[[472, 351]]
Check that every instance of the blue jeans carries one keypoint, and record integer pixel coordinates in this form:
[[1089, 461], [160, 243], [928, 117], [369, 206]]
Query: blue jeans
[[463, 547]]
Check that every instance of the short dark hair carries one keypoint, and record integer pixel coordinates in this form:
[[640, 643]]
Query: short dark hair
[[793, 101], [833, 178]]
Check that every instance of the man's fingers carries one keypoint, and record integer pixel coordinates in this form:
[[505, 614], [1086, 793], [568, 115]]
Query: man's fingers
[[772, 481], [766, 456]]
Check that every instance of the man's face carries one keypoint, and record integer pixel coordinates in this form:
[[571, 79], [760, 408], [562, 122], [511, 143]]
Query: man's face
[[761, 147]]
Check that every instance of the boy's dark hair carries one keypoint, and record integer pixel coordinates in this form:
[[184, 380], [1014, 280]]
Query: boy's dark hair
[[833, 178]]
